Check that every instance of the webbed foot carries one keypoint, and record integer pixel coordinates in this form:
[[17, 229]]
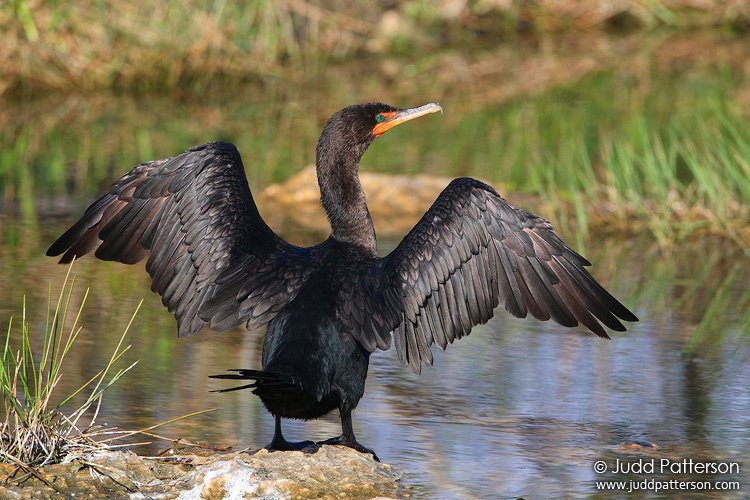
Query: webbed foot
[[343, 440], [278, 443], [284, 445]]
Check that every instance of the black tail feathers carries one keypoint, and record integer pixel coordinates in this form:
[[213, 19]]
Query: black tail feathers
[[259, 378]]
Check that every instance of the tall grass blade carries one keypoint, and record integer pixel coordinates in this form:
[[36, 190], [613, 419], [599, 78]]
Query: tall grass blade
[[34, 431]]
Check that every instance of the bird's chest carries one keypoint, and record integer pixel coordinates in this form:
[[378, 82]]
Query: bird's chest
[[314, 319], [342, 274], [311, 343]]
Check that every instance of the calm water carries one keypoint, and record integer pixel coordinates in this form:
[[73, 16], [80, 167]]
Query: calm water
[[520, 408]]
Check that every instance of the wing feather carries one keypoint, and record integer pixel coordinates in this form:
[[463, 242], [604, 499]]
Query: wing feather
[[469, 253], [210, 255]]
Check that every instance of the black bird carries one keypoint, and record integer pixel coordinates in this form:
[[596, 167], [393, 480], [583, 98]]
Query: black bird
[[215, 262]]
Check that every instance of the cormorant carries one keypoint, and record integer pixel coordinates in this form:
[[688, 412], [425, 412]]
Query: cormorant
[[327, 307]]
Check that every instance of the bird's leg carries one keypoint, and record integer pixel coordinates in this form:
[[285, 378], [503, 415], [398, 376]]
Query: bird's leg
[[278, 443], [347, 437]]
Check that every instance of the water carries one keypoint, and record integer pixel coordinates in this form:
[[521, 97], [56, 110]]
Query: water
[[519, 409]]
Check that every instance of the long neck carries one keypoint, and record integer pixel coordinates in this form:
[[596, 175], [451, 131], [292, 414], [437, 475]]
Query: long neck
[[342, 196]]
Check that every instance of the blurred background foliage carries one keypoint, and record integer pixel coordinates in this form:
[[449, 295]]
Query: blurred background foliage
[[179, 47]]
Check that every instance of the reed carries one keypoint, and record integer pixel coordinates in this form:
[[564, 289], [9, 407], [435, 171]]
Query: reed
[[149, 45], [674, 174], [669, 158], [36, 430]]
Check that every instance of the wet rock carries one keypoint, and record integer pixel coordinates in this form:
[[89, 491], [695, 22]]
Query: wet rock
[[639, 445], [329, 472], [396, 202]]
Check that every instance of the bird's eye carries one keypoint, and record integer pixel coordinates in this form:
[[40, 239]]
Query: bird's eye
[[380, 118]]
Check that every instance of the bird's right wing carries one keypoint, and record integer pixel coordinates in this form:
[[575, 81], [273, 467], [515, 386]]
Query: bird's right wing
[[211, 256], [470, 252]]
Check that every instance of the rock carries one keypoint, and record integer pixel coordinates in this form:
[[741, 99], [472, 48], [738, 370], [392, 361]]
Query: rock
[[328, 472], [396, 202]]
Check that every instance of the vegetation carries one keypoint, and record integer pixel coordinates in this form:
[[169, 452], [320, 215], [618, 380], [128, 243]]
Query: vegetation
[[608, 144], [35, 430], [682, 175], [147, 45], [674, 165]]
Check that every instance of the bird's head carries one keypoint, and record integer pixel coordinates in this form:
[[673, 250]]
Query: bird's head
[[355, 127], [344, 140]]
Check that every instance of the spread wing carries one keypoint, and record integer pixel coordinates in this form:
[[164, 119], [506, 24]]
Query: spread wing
[[211, 256], [470, 252]]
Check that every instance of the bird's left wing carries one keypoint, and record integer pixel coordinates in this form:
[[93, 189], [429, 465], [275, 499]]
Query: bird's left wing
[[211, 256], [470, 252]]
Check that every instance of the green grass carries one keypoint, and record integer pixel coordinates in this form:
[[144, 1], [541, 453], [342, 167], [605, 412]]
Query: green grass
[[597, 155], [676, 167], [147, 46], [37, 428]]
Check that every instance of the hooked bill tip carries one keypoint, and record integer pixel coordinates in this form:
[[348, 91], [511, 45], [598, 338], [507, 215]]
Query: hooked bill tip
[[430, 107]]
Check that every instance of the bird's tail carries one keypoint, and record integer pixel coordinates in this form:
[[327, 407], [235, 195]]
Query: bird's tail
[[259, 378]]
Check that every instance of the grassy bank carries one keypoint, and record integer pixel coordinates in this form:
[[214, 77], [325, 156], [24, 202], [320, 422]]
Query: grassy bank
[[187, 46], [38, 429], [675, 171], [595, 155], [644, 131]]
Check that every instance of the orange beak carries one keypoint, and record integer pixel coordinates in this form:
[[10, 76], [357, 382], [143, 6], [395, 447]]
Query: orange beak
[[404, 115]]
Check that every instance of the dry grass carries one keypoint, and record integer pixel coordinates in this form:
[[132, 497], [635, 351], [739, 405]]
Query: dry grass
[[35, 430], [184, 47]]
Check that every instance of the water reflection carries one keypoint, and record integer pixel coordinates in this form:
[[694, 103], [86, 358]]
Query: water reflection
[[520, 408]]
